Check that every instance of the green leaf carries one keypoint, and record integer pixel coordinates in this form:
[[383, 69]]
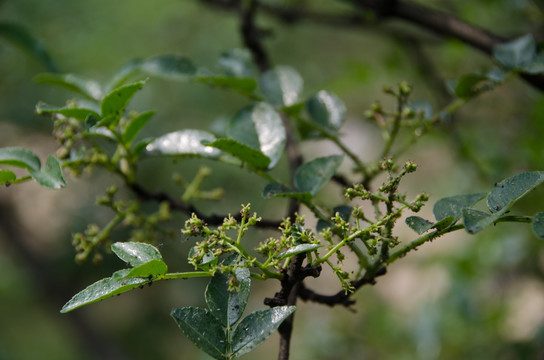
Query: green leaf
[[208, 260], [169, 66], [19, 157], [418, 224], [184, 143], [476, 220], [281, 86], [298, 249], [453, 205], [51, 175], [257, 327], [280, 190], [538, 225], [237, 63], [313, 175], [244, 86], [227, 306], [343, 210], [7, 177], [508, 191], [516, 54], [152, 268], [135, 125], [243, 152], [76, 113], [128, 70], [470, 85], [19, 36], [136, 253], [326, 110], [259, 126], [115, 102], [85, 87], [104, 289], [202, 329]]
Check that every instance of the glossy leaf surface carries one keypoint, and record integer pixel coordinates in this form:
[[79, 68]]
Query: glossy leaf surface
[[281, 86], [184, 142], [51, 175], [298, 249], [202, 329], [19, 157], [326, 110], [136, 253], [236, 63], [259, 126], [257, 327], [313, 175], [104, 289]]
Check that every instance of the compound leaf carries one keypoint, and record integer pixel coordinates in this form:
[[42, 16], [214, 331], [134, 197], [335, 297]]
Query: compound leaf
[[508, 191], [281, 86], [538, 225], [453, 205], [114, 103], [151, 269], [51, 175], [88, 88], [135, 125], [76, 113], [20, 157], [243, 152], [326, 110], [136, 253], [184, 143]]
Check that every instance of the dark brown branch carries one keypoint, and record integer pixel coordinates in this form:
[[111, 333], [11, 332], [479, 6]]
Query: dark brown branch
[[251, 35], [178, 205], [341, 297]]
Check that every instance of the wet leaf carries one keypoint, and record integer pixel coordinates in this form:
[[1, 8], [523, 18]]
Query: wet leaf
[[136, 253], [104, 289], [257, 327]]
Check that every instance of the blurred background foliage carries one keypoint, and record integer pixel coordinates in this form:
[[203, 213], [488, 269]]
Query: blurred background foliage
[[461, 297]]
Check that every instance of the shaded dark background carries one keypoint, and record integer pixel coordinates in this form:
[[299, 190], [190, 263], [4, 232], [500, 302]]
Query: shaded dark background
[[459, 297]]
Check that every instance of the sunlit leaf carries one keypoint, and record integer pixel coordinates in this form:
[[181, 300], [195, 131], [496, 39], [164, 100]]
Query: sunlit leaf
[[184, 143], [51, 175], [19, 157], [202, 329], [298, 249], [136, 253], [152, 268], [313, 175], [7, 177], [104, 289], [281, 86], [237, 63], [257, 327], [85, 87], [326, 110]]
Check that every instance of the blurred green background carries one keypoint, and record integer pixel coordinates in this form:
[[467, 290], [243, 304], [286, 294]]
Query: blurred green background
[[460, 297]]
